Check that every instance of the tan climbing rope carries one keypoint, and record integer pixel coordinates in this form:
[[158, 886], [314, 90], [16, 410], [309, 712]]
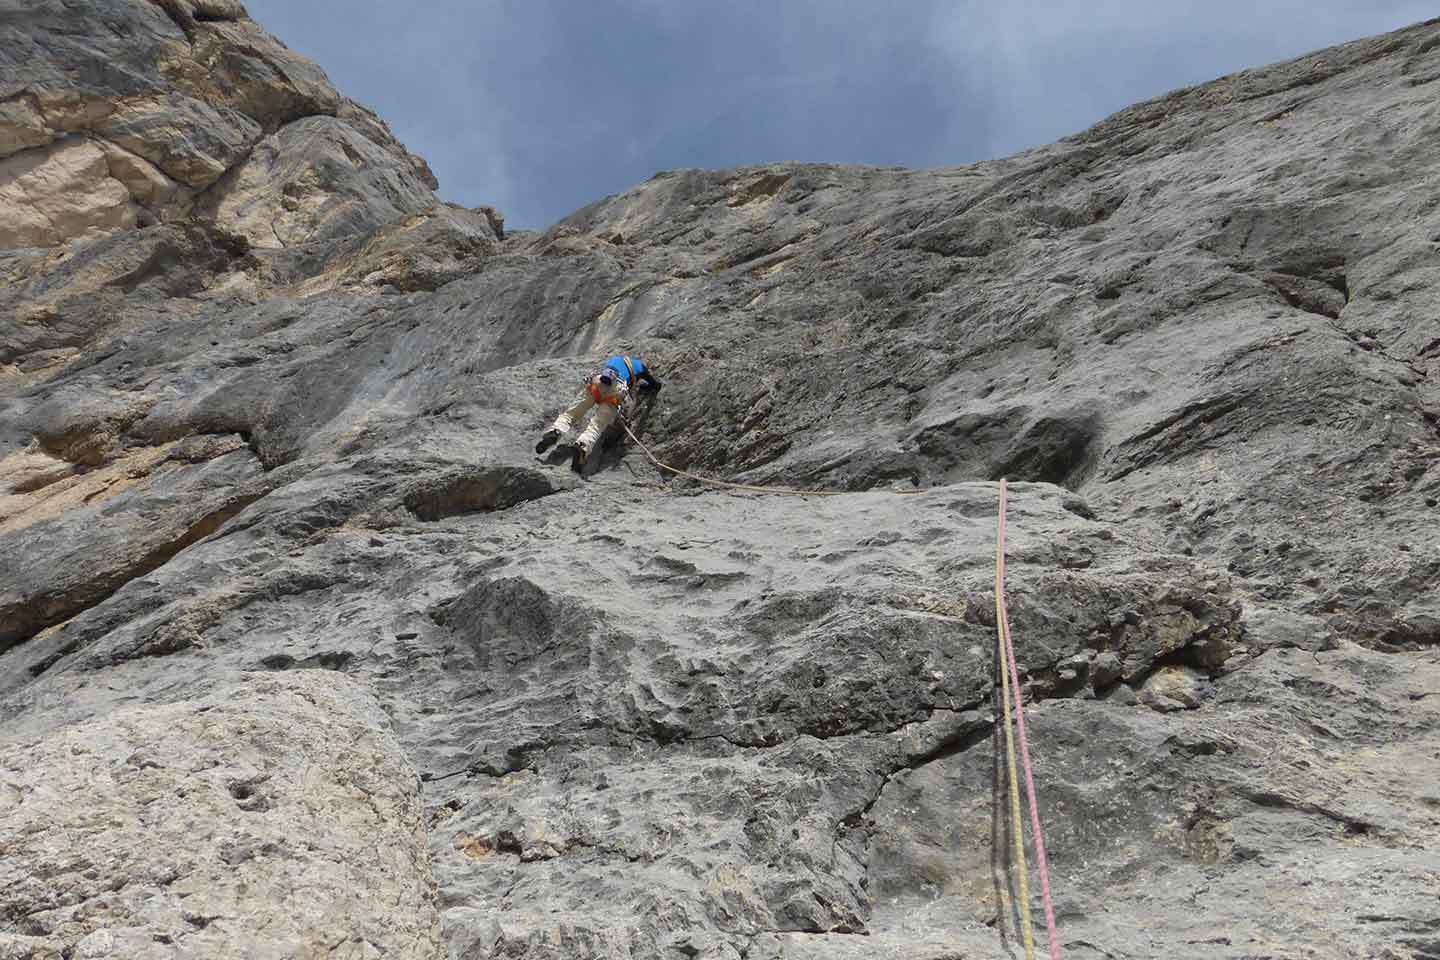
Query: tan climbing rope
[[754, 488]]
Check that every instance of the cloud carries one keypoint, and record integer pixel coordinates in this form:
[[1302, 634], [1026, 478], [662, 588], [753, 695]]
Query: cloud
[[1049, 69], [544, 106]]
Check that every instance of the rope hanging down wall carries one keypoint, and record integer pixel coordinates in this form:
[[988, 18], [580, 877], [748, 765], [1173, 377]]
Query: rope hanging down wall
[[1014, 719], [1010, 686]]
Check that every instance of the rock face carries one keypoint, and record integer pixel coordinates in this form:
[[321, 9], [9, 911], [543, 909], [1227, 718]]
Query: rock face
[[117, 114], [338, 667], [265, 814]]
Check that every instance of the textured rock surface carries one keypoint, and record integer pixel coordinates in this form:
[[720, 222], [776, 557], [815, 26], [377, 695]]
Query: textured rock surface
[[116, 113], [275, 816], [280, 421], [59, 191]]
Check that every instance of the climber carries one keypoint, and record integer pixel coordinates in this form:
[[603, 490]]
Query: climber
[[605, 389]]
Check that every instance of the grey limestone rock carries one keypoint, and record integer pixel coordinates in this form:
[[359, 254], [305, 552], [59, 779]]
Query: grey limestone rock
[[272, 816], [123, 113], [269, 509]]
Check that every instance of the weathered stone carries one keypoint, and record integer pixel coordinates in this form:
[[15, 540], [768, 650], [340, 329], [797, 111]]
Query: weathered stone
[[87, 538], [315, 180], [147, 185], [1105, 669], [188, 139], [368, 123], [186, 87], [54, 193], [25, 471], [67, 110], [422, 252], [97, 288], [654, 719], [1174, 688], [22, 127], [277, 811]]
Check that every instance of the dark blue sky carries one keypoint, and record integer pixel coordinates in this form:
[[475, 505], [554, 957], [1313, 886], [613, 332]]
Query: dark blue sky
[[541, 106]]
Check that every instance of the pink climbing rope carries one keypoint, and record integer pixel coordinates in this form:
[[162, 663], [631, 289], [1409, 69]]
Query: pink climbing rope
[[1009, 655]]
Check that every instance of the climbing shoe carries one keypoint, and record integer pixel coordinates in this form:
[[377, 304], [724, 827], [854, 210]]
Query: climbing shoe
[[578, 456], [547, 440]]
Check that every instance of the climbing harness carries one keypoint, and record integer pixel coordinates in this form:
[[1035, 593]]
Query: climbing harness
[[754, 488], [599, 397], [1010, 692]]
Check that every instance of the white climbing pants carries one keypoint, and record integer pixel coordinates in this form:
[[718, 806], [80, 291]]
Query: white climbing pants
[[604, 414]]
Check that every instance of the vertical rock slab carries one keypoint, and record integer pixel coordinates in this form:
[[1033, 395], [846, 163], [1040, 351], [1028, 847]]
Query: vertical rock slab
[[271, 817], [316, 179], [60, 192], [176, 94], [146, 508], [190, 140]]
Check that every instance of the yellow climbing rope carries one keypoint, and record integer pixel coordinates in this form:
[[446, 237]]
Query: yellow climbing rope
[[1017, 820], [1010, 684]]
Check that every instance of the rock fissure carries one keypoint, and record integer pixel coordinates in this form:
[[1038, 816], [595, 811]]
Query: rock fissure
[[178, 14], [1352, 826], [24, 618], [951, 745]]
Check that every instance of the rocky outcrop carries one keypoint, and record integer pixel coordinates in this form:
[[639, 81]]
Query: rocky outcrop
[[267, 457], [117, 115], [275, 813], [185, 89], [60, 191], [317, 179]]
